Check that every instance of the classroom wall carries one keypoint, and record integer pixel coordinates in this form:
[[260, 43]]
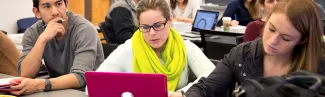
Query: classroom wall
[[11, 11], [219, 2]]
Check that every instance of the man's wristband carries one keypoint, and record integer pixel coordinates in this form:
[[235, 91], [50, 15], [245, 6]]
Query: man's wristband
[[48, 85]]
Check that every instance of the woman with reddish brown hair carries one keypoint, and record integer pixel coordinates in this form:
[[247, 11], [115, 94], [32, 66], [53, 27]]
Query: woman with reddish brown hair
[[291, 40]]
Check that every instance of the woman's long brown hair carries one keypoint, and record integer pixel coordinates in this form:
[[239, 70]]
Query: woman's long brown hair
[[254, 9], [304, 16]]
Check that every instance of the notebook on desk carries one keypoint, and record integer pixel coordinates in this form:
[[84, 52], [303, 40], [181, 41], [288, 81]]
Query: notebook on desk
[[115, 84], [204, 19], [5, 84]]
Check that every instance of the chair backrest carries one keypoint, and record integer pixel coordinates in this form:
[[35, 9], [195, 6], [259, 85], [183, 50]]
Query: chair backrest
[[43, 72], [109, 48], [104, 31], [25, 23], [239, 39], [217, 48], [191, 76]]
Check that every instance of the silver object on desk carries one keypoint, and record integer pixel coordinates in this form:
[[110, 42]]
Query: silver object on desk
[[127, 94]]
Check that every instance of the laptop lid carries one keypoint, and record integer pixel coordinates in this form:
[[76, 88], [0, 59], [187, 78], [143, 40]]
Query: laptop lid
[[205, 19], [116, 84]]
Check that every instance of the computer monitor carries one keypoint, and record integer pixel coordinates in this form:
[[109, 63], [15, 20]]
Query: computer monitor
[[205, 19]]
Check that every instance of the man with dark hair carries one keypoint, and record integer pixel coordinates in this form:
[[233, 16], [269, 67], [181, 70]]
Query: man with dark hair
[[68, 44], [120, 21], [36, 3]]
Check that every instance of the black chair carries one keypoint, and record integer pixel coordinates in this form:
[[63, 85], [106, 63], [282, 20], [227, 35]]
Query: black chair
[[43, 73], [109, 48], [216, 48], [25, 23], [239, 39], [191, 76], [104, 31]]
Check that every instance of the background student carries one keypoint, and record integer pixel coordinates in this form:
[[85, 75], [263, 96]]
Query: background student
[[291, 40], [241, 12], [184, 10], [254, 28]]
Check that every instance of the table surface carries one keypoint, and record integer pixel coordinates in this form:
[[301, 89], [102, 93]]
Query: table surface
[[185, 28], [57, 93]]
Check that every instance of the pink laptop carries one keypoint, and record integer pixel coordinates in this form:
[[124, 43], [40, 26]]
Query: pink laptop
[[116, 84]]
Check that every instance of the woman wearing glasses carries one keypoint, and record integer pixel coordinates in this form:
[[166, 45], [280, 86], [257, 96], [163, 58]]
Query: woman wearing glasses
[[156, 48]]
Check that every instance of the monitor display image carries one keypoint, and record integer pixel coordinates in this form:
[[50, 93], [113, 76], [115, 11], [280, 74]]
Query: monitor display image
[[205, 20]]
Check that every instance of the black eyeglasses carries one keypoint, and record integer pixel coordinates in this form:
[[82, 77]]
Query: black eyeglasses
[[157, 27]]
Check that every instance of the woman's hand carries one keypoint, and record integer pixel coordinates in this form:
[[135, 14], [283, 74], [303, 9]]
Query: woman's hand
[[27, 86], [174, 94], [234, 23], [179, 19], [182, 19]]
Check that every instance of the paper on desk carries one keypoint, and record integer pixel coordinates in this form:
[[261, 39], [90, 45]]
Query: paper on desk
[[182, 27], [17, 38], [5, 81]]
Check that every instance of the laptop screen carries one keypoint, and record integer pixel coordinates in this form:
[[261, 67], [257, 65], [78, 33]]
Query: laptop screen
[[205, 20]]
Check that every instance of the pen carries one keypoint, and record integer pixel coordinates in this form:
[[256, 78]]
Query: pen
[[183, 94], [235, 17], [60, 21]]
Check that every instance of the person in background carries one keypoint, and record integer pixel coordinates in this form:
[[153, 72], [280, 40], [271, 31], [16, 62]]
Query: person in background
[[291, 40], [184, 10], [9, 56], [157, 48], [254, 28], [120, 21], [241, 12], [68, 44]]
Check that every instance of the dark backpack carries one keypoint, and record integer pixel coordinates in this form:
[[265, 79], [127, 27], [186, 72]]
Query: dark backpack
[[296, 84]]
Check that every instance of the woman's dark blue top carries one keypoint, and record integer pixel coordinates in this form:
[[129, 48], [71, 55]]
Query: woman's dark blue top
[[237, 11]]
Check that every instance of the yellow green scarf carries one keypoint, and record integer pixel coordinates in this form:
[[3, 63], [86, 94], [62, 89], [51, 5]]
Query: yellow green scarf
[[145, 59]]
